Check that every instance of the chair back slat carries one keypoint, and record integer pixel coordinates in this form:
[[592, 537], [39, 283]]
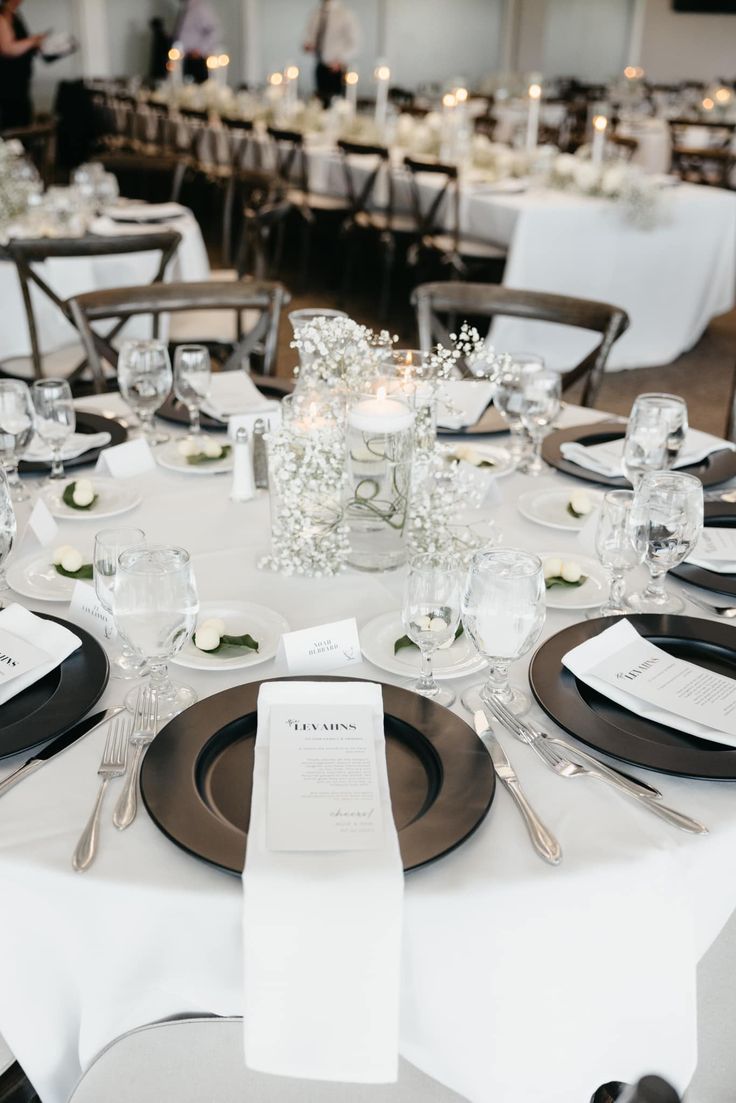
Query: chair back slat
[[426, 215]]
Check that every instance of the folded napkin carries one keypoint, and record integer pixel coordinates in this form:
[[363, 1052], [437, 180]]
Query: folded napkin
[[32, 645], [462, 402], [78, 443], [715, 551], [231, 393], [658, 686], [145, 212], [322, 929], [607, 458]]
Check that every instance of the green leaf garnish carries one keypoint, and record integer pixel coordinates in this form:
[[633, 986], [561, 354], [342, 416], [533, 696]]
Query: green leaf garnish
[[68, 498], [233, 643], [85, 571], [406, 642], [558, 580], [201, 457], [572, 512]]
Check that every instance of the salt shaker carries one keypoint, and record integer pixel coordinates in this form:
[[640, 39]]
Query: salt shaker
[[243, 488], [260, 455]]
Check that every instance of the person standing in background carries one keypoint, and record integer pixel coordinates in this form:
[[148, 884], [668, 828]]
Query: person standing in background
[[17, 51], [333, 37], [199, 31]]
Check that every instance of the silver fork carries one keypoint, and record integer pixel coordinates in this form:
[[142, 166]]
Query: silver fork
[[544, 746], [112, 765], [145, 726]]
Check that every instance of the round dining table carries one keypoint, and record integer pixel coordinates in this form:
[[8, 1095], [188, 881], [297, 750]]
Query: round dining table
[[520, 981]]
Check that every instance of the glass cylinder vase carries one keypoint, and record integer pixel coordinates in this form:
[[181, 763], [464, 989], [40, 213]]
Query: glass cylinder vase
[[413, 374], [380, 436]]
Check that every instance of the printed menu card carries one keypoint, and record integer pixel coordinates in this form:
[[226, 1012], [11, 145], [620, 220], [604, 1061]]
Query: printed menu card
[[715, 550], [622, 665]]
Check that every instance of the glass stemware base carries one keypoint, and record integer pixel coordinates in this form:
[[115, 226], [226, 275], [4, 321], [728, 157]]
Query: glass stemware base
[[439, 694], [172, 697], [126, 666], [515, 700], [654, 601]]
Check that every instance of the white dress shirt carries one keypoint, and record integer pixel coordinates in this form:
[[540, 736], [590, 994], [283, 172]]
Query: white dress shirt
[[341, 36], [200, 30]]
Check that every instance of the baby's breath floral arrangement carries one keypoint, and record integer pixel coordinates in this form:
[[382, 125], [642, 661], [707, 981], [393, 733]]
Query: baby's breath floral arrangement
[[636, 194], [443, 518], [307, 475], [15, 183], [338, 353]]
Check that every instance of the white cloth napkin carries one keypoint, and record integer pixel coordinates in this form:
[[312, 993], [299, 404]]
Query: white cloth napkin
[[231, 393], [78, 443], [607, 458], [585, 656], [715, 551], [462, 402], [322, 930], [145, 212], [54, 639]]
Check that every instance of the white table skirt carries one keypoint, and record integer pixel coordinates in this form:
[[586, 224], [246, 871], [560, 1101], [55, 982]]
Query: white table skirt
[[520, 982], [77, 275]]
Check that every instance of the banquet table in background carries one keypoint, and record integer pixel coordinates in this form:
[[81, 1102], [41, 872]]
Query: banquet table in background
[[520, 982], [76, 275]]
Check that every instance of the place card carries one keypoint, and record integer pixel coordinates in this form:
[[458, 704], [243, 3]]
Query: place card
[[41, 529], [631, 670], [124, 461], [322, 779], [86, 610], [320, 649], [18, 657]]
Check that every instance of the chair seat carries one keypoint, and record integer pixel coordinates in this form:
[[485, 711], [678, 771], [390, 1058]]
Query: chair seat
[[314, 202], [380, 221], [466, 247]]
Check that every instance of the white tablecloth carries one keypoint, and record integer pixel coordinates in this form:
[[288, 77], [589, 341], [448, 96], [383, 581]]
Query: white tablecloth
[[520, 982], [78, 275]]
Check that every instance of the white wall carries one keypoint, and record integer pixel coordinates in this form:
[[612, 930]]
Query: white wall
[[679, 46], [443, 39], [282, 27], [44, 15], [587, 39]]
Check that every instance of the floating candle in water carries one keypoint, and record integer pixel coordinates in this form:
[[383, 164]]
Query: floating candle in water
[[380, 415]]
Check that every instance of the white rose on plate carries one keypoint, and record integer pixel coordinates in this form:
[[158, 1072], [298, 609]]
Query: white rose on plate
[[212, 449], [571, 571], [84, 493], [552, 568], [206, 639], [71, 560], [580, 504], [59, 554], [187, 447], [215, 623]]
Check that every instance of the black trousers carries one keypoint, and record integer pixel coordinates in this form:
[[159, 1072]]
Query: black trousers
[[15, 111], [330, 82]]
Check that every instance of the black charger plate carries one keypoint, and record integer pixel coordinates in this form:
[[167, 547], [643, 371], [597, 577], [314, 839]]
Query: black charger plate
[[196, 776], [606, 726], [86, 423], [714, 469], [717, 515], [53, 704]]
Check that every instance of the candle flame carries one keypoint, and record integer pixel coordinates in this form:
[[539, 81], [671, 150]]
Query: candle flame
[[461, 95], [292, 72], [174, 54], [535, 91], [600, 122], [708, 103], [224, 60], [351, 78], [449, 100], [213, 63], [723, 95], [276, 79], [382, 72]]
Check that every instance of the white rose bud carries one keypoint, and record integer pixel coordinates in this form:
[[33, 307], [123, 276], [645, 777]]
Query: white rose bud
[[571, 571], [215, 624], [437, 624], [206, 639], [580, 503], [187, 448], [424, 624], [60, 552], [552, 568], [212, 449], [71, 560], [468, 454], [84, 493]]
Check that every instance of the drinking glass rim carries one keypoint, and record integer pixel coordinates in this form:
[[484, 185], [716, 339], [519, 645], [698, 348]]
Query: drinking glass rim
[[104, 535], [483, 559], [173, 568], [680, 477], [427, 561]]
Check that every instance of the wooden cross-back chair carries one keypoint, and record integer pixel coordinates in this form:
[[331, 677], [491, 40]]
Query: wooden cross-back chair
[[29, 255], [436, 302], [437, 226], [265, 300]]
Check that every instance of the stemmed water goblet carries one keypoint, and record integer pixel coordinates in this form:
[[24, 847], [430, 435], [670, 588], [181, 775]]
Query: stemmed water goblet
[[145, 379], [666, 523], [503, 611], [431, 615], [615, 548], [155, 605], [55, 419], [192, 380], [540, 404], [655, 433], [16, 431], [507, 392], [109, 545], [8, 528]]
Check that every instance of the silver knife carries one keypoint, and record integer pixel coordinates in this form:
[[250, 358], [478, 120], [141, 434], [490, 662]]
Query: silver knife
[[543, 840], [84, 727]]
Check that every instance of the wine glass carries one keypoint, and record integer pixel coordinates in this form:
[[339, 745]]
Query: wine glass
[[431, 614], [8, 528], [55, 420], [540, 404], [507, 391], [109, 545], [155, 605], [503, 610], [192, 380], [666, 523], [615, 549], [145, 379], [655, 433], [16, 431]]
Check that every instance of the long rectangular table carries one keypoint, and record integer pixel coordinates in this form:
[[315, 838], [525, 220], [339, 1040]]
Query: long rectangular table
[[519, 981]]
